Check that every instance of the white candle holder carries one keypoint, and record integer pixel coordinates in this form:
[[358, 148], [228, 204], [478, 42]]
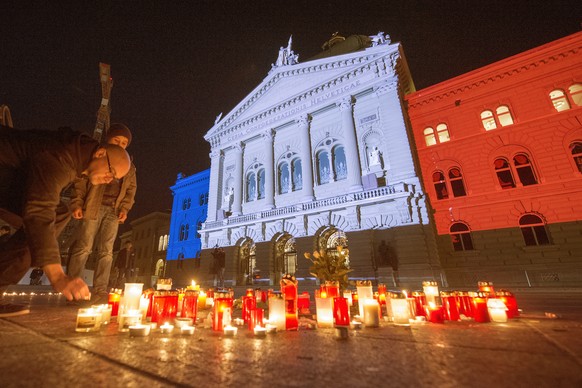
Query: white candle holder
[[139, 330], [166, 328], [230, 331], [88, 319], [132, 295], [187, 330]]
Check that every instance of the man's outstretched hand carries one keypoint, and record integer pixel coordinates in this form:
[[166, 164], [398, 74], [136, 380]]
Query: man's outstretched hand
[[71, 288]]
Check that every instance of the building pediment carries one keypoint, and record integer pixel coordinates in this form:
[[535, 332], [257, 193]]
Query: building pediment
[[290, 90]]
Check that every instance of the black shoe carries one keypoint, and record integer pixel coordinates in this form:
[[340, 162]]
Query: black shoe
[[13, 310]]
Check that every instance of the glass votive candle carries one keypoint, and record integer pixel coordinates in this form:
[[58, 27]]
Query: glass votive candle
[[187, 330], [277, 310], [230, 331], [139, 330], [105, 310], [130, 318], [131, 295], [260, 331], [371, 313], [181, 322], [166, 328], [88, 319], [324, 311]]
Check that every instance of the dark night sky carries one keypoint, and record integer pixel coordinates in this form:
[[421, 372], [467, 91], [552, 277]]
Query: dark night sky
[[176, 65]]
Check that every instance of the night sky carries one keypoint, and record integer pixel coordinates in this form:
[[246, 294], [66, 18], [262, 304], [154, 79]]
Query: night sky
[[177, 65]]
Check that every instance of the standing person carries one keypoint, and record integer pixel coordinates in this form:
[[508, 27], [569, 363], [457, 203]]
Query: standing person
[[35, 167], [101, 209], [125, 264]]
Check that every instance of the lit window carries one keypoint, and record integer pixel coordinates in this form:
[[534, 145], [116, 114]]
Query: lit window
[[251, 186], [456, 181], [440, 186], [261, 184], [254, 183], [524, 170], [488, 120], [296, 174], [161, 243], [504, 115], [443, 133], [461, 237], [576, 94], [533, 230], [429, 137], [577, 154], [283, 178], [339, 163], [323, 168], [504, 175], [559, 100]]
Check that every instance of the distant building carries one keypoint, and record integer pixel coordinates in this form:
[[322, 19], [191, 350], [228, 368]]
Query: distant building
[[189, 212], [317, 156], [149, 235], [500, 150]]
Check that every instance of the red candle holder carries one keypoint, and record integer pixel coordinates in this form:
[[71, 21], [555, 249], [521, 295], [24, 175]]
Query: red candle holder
[[332, 289], [419, 303], [256, 318], [222, 302], [382, 293], [486, 287], [480, 312], [289, 291], [434, 314], [190, 305], [165, 306], [341, 312], [248, 304], [450, 307], [113, 300], [250, 292], [465, 303], [303, 302], [510, 302]]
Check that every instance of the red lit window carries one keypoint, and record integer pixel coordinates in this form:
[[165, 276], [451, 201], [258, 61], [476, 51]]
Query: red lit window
[[442, 133], [502, 118], [440, 186], [429, 136], [461, 237], [576, 94], [559, 100], [533, 230], [504, 175], [524, 170], [577, 154]]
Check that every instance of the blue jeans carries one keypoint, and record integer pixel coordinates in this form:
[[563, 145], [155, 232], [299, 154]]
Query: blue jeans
[[102, 233]]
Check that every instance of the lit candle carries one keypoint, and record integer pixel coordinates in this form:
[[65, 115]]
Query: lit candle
[[113, 301], [230, 331], [202, 300], [131, 296], [277, 310], [510, 302], [190, 304], [181, 322], [88, 319], [497, 310], [341, 312], [139, 330], [166, 328], [105, 310], [364, 292], [431, 291], [324, 311], [144, 304], [289, 291], [450, 307], [187, 330], [371, 313], [271, 329], [435, 313], [480, 313], [400, 311], [130, 318], [486, 287], [260, 331]]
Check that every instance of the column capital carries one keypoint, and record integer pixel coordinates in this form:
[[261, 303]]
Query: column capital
[[303, 120], [239, 147], [345, 103], [268, 134], [216, 152]]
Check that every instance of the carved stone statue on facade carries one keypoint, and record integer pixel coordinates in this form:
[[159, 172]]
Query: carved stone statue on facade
[[375, 157], [218, 118], [228, 198], [286, 56], [380, 38]]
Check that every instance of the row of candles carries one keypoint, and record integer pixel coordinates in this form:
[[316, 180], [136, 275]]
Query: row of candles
[[368, 308]]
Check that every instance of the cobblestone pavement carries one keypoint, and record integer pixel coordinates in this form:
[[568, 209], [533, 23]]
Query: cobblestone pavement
[[543, 348]]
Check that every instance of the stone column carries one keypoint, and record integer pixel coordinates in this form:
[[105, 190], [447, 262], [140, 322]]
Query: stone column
[[215, 196], [306, 159], [351, 145], [269, 170], [398, 151], [238, 179]]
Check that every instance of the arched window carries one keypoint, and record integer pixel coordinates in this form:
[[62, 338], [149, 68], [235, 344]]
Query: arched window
[[323, 167], [166, 238], [184, 229], [504, 175], [198, 228], [203, 199], [440, 186], [488, 120], [576, 93], [443, 133], [456, 181], [524, 170], [283, 178], [161, 243], [297, 174], [337, 245], [504, 115], [559, 100], [261, 184], [429, 136], [339, 163], [533, 230], [461, 237], [576, 149], [290, 258], [247, 262], [251, 186]]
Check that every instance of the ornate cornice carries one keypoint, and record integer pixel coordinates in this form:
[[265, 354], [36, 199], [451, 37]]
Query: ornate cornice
[[461, 87]]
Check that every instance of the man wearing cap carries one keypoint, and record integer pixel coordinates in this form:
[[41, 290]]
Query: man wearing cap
[[35, 167], [101, 209]]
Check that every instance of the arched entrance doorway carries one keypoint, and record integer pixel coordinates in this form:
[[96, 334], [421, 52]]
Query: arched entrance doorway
[[285, 259], [335, 243], [246, 262]]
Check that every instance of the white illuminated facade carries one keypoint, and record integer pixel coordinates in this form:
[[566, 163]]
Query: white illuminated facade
[[318, 157]]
